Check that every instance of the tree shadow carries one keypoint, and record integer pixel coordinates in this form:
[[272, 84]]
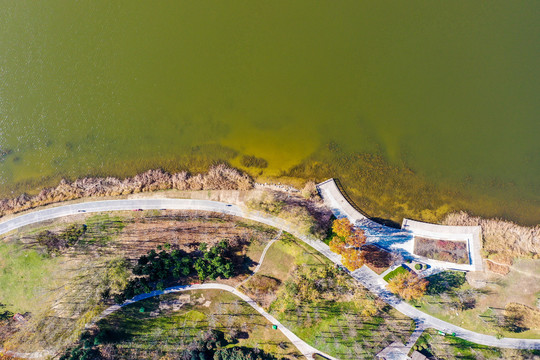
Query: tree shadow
[[386, 222]]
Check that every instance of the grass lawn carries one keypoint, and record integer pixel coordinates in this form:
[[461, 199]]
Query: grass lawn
[[391, 274], [142, 336], [287, 253], [63, 292], [516, 287], [24, 274], [257, 244], [335, 327], [339, 330], [452, 347]]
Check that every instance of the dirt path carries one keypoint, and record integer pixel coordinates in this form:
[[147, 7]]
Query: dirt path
[[515, 269]]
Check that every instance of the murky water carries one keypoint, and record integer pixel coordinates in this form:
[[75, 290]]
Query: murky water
[[447, 89]]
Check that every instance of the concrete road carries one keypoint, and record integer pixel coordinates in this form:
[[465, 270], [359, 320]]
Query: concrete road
[[364, 275]]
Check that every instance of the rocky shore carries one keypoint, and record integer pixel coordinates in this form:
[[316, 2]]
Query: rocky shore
[[219, 177]]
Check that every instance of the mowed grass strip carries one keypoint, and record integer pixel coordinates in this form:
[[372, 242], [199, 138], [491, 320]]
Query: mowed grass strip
[[285, 254], [395, 272], [24, 275]]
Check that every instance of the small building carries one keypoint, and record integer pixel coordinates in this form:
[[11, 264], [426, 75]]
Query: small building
[[418, 356], [394, 351]]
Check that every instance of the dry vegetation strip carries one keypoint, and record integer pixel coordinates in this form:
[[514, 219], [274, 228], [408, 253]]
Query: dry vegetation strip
[[220, 177], [501, 236]]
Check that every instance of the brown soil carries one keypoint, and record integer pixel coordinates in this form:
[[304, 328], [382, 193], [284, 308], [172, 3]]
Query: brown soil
[[497, 268], [183, 230], [502, 259], [376, 258]]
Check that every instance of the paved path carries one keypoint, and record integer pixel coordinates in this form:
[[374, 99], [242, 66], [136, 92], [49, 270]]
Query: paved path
[[418, 330], [402, 240], [258, 267], [307, 350], [377, 286], [364, 275]]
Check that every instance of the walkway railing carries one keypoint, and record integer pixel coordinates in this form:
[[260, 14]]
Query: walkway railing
[[348, 198]]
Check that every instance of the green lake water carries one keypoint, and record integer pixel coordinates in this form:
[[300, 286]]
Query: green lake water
[[447, 91]]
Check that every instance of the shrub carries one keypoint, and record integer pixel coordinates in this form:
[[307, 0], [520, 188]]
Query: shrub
[[519, 317], [408, 285], [55, 242], [309, 191], [262, 284], [418, 266], [445, 281], [442, 250], [266, 202], [214, 263]]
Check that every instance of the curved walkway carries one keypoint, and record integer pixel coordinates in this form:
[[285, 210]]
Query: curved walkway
[[307, 350], [258, 267], [364, 275], [402, 240]]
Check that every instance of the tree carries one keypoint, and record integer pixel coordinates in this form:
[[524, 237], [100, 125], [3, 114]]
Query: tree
[[466, 299], [356, 239], [408, 285], [366, 303], [337, 245], [446, 281], [342, 228], [352, 259], [214, 263]]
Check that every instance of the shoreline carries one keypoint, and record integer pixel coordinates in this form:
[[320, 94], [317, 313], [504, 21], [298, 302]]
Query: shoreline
[[364, 276], [518, 240]]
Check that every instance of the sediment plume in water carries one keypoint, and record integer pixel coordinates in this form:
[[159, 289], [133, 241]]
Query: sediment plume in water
[[219, 177]]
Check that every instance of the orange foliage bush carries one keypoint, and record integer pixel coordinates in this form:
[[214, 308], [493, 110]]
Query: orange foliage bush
[[356, 239], [352, 259], [337, 245], [408, 285], [342, 227]]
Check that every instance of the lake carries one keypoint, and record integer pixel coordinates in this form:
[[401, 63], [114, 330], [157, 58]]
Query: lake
[[443, 92]]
